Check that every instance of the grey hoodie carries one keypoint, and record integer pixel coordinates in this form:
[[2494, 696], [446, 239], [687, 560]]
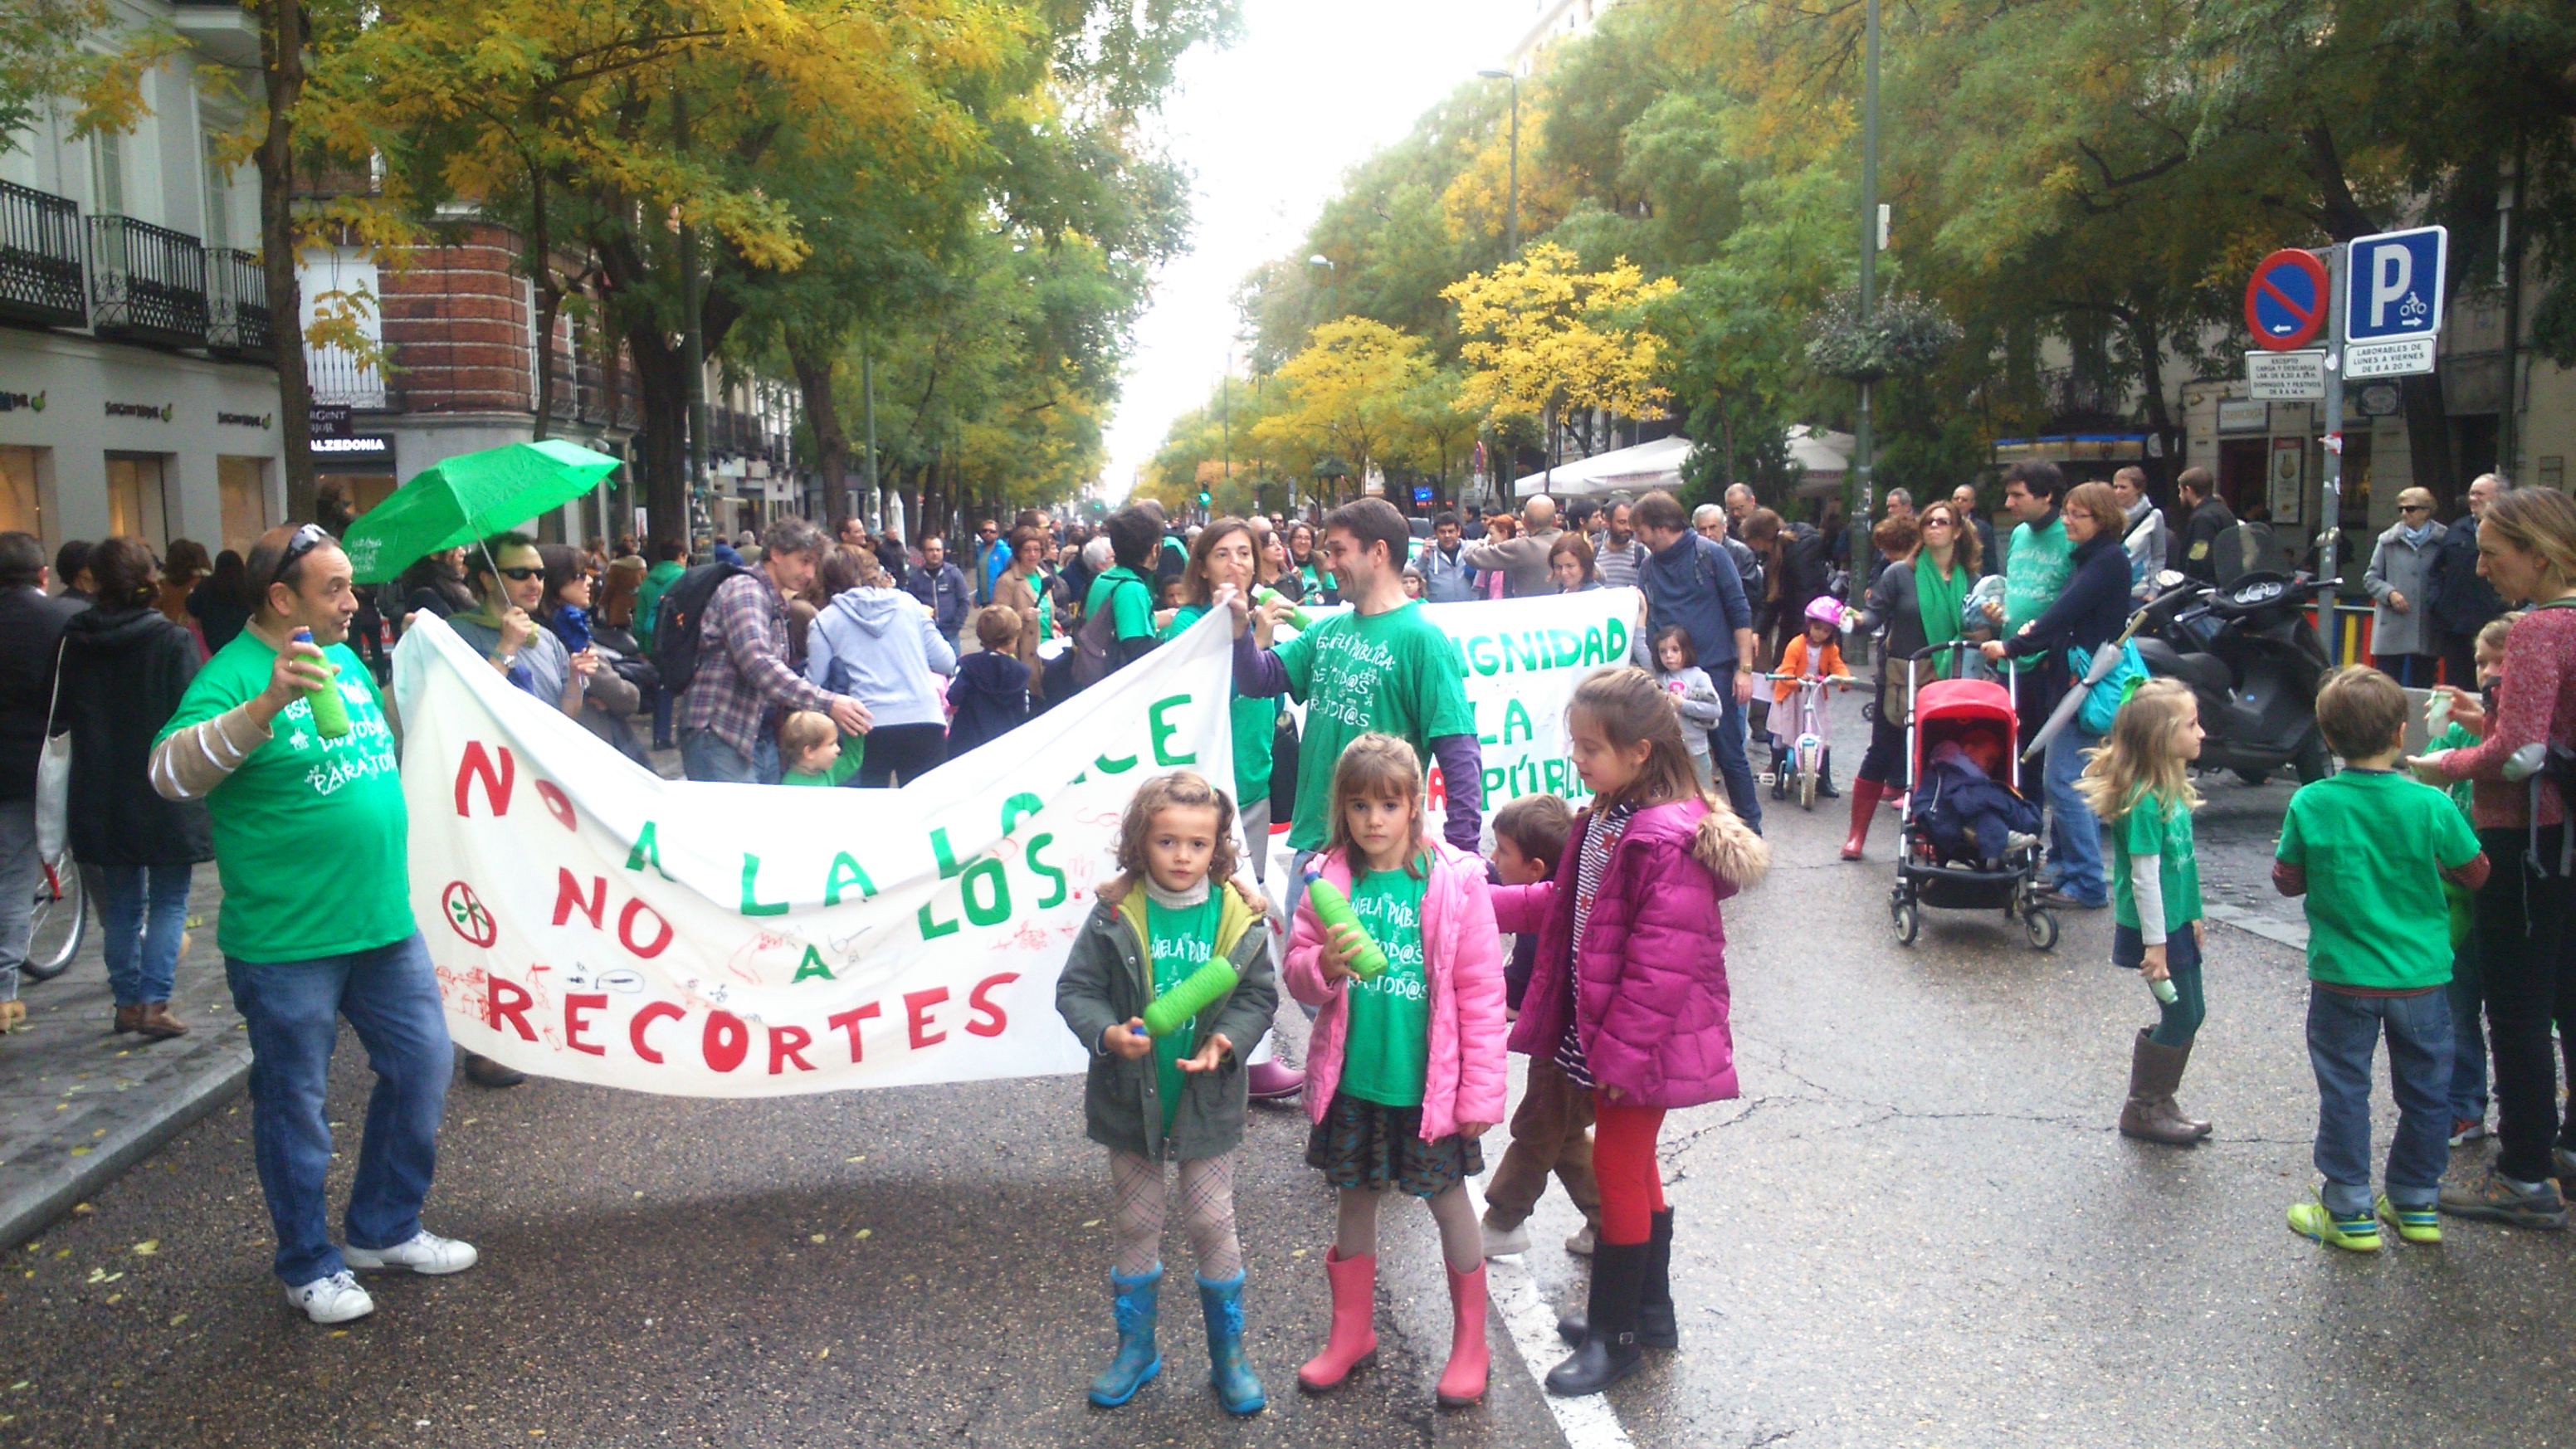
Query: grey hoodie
[[881, 647]]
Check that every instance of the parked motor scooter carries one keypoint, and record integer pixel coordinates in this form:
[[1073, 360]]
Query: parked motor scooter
[[2246, 648]]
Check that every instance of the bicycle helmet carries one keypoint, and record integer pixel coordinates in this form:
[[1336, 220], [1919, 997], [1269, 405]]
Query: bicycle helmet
[[1827, 610]]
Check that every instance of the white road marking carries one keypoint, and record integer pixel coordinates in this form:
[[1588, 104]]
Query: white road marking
[[1587, 1423]]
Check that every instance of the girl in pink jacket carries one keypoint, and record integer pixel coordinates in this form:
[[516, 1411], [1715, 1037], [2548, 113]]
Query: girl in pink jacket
[[1404, 1071], [1628, 992]]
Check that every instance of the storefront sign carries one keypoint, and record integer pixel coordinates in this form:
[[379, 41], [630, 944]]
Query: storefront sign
[[156, 412], [364, 445], [246, 420], [327, 420], [2244, 415], [11, 402]]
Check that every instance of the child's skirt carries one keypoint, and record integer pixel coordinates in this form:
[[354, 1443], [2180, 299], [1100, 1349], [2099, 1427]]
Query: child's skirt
[[1363, 1144]]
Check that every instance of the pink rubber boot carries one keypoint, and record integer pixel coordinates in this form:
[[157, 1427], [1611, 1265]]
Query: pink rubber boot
[[1463, 1381], [1353, 1343]]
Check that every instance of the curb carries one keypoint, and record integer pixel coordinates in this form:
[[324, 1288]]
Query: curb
[[31, 1209]]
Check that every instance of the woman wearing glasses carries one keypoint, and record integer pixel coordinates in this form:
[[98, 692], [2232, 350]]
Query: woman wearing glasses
[[508, 576], [2402, 642]]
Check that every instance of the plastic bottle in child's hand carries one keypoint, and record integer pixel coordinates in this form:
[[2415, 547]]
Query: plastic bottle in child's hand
[[330, 712], [2437, 712], [2163, 988], [1191, 995], [1334, 909]]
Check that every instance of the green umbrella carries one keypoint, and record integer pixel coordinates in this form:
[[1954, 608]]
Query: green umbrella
[[469, 497]]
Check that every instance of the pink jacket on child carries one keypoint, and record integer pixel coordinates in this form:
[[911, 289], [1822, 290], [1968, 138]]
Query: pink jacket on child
[[1462, 967], [1650, 993]]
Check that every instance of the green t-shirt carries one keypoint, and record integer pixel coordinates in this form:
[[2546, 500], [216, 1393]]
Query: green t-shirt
[[2374, 844], [309, 833], [1131, 609], [1387, 1048], [2148, 829], [1395, 672], [2038, 562], [1255, 720], [2462, 792], [844, 767], [1180, 942]]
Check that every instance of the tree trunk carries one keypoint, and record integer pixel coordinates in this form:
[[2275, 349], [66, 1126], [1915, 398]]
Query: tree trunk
[[539, 264], [665, 481], [281, 56], [813, 363]]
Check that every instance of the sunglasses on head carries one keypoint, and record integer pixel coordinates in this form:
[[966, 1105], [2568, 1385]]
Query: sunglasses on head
[[303, 541]]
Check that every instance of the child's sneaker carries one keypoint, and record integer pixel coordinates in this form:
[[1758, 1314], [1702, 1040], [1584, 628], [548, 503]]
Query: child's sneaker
[[1502, 1242], [2465, 1130], [2414, 1224], [2312, 1221]]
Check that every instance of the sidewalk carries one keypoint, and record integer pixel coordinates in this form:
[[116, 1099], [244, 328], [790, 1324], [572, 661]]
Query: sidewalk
[[80, 1104]]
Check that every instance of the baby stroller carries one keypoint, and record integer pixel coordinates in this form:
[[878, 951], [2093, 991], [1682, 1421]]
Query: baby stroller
[[1956, 711]]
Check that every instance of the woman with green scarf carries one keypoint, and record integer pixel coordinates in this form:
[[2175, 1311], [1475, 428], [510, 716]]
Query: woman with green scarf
[[1933, 562]]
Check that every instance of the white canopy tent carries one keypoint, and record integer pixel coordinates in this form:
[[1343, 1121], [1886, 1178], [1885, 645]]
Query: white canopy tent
[[1641, 469], [1823, 459]]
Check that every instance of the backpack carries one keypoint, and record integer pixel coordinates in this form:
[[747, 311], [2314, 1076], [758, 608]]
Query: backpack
[[677, 617], [1093, 642]]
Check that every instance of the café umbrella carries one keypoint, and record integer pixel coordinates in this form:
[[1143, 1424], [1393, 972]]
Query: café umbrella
[[468, 498]]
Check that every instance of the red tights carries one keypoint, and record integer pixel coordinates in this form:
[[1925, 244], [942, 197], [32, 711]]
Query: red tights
[[1623, 1158]]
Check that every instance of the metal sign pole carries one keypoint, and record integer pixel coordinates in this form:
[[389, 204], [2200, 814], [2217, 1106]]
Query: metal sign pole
[[2332, 432]]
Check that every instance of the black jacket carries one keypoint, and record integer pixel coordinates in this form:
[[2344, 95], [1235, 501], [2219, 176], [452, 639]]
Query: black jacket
[[989, 697], [1806, 566], [31, 625], [124, 671], [2192, 548], [2462, 602], [2093, 609], [943, 592]]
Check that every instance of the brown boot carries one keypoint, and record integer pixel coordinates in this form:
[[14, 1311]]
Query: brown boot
[[128, 1018], [2154, 1071], [158, 1023], [2173, 1111]]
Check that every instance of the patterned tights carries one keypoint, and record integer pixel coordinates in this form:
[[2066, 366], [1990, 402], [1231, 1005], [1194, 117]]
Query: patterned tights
[[1207, 1214]]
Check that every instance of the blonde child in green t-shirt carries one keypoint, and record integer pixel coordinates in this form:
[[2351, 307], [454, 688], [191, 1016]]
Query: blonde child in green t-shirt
[[2139, 783], [812, 751]]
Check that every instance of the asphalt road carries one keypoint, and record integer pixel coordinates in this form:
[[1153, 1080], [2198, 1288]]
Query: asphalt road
[[1917, 1228]]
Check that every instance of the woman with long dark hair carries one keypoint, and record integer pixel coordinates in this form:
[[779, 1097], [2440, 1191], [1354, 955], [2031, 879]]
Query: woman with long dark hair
[[223, 603], [125, 667]]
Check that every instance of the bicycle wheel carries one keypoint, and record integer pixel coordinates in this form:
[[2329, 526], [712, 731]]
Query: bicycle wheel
[[57, 922]]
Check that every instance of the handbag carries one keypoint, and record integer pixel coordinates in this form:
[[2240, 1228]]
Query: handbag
[[2102, 702], [54, 774]]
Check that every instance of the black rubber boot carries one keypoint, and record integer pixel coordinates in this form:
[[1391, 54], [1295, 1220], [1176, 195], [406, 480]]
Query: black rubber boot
[[1779, 775], [1825, 775], [1656, 1324], [1610, 1351]]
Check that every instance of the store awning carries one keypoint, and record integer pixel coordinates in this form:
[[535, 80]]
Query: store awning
[[1641, 469]]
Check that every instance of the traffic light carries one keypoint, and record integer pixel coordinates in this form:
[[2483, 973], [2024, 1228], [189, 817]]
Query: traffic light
[[1203, 498]]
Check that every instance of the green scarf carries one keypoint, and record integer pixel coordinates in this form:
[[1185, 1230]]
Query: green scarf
[[1939, 600]]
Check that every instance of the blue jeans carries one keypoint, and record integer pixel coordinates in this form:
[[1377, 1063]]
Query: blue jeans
[[706, 755], [142, 940], [2467, 1000], [2343, 1032], [2075, 835], [1726, 749], [390, 995]]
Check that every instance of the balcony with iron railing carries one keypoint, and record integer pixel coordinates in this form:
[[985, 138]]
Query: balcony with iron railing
[[40, 258], [237, 319], [341, 378], [147, 283]]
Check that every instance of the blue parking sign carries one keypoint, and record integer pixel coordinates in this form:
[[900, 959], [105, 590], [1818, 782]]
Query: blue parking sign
[[2393, 284]]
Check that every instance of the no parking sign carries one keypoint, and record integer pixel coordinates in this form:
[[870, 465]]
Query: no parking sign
[[2286, 302]]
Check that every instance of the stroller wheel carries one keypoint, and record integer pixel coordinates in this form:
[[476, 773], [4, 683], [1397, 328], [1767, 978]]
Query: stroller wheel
[[1907, 918], [2042, 925]]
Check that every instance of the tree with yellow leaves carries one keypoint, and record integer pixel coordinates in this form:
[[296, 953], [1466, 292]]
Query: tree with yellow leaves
[[1543, 338], [1345, 398]]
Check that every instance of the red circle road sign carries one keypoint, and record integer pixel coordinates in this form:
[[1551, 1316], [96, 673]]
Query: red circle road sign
[[2285, 303]]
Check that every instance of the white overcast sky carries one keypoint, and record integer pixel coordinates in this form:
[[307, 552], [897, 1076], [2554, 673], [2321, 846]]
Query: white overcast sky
[[1269, 126]]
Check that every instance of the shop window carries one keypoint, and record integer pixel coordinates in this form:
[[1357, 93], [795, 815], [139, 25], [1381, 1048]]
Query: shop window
[[21, 502], [244, 482], [136, 502]]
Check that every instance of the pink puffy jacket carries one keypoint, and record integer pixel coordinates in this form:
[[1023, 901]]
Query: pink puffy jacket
[[1650, 996], [1462, 963]]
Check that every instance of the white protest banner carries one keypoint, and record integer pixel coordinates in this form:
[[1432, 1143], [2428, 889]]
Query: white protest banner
[[593, 922]]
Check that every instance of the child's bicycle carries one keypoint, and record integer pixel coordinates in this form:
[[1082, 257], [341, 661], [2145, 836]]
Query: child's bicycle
[[1806, 731]]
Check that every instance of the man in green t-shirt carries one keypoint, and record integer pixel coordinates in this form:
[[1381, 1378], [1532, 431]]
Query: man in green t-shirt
[[1126, 590], [310, 835], [1380, 667]]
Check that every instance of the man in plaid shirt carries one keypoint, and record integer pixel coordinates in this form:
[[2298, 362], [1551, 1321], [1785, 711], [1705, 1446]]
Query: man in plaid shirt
[[729, 714]]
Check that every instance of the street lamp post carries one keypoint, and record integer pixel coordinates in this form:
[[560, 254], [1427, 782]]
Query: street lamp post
[[1862, 459], [1512, 223]]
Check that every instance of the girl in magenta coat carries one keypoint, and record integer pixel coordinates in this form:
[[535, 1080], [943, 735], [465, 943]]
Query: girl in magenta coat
[[1628, 992], [1405, 1070]]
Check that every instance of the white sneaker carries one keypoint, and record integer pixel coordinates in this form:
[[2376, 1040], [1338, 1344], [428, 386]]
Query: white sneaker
[[1581, 1244], [335, 1299], [2017, 840], [427, 1252], [1500, 1242]]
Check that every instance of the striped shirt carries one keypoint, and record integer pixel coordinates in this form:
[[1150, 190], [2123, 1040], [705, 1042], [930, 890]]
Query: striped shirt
[[1599, 835]]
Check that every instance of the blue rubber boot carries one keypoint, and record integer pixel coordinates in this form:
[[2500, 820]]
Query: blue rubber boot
[[1137, 1362], [1233, 1379]]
